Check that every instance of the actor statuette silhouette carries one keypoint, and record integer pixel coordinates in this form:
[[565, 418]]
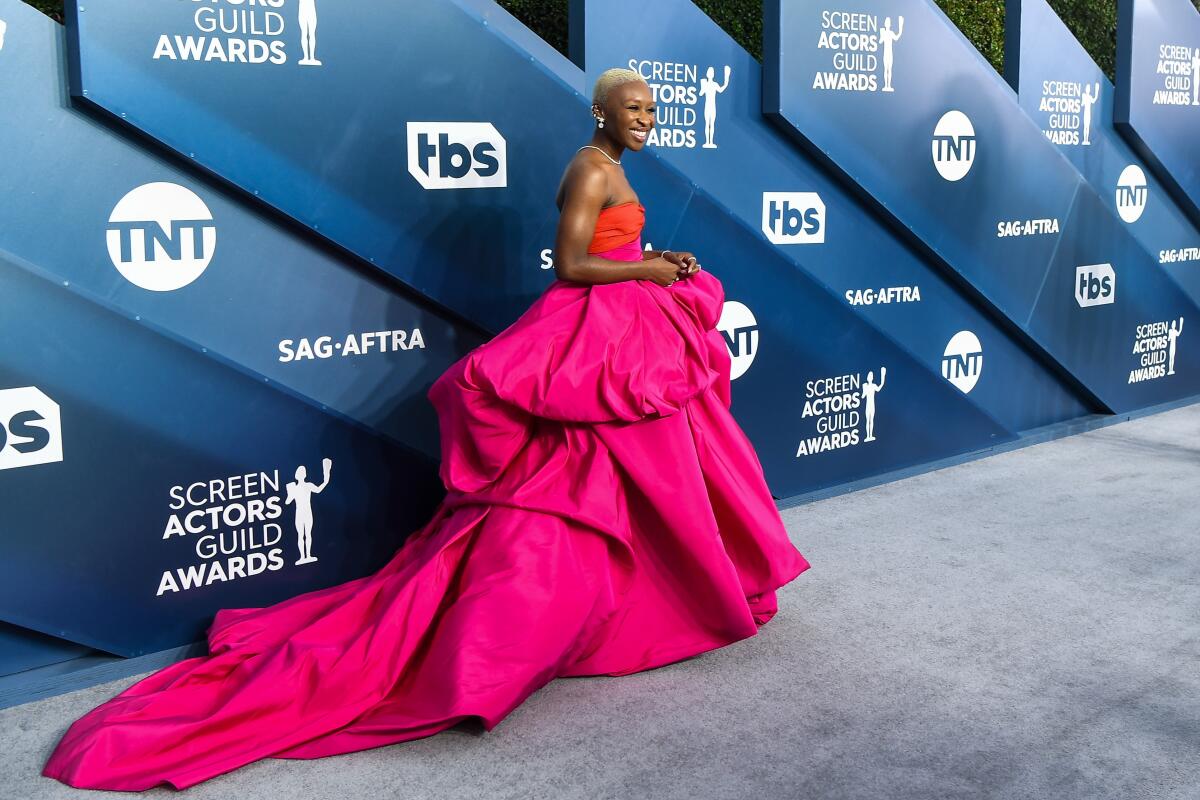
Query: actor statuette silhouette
[[869, 390], [889, 38], [1090, 96], [300, 492], [1173, 335], [308, 32], [709, 91]]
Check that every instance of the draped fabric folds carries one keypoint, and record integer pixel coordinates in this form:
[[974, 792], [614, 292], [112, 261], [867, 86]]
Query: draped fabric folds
[[604, 515]]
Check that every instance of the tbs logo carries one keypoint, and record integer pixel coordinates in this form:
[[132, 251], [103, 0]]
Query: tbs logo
[[793, 218], [1095, 285], [30, 431], [161, 236], [457, 155]]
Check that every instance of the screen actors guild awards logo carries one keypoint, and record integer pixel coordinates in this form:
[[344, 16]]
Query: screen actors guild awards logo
[[840, 410], [1069, 107], [1176, 75], [258, 33], [677, 90], [1154, 346], [854, 40], [232, 528]]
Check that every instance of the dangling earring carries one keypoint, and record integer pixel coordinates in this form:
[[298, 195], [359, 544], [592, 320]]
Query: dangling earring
[[599, 122]]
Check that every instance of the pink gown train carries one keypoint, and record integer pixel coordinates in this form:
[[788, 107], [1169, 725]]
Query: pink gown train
[[604, 515]]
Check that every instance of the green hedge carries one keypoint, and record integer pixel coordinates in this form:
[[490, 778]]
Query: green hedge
[[52, 8], [983, 23], [1094, 22]]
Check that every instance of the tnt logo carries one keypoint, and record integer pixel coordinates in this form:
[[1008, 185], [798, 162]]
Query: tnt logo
[[954, 146], [161, 236], [739, 328], [962, 361], [30, 431], [1132, 193], [1095, 285], [457, 155], [793, 217]]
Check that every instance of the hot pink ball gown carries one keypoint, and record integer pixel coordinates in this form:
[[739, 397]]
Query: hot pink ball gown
[[604, 515]]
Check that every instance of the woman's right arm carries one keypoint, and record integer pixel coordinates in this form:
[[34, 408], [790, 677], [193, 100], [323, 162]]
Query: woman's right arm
[[584, 193]]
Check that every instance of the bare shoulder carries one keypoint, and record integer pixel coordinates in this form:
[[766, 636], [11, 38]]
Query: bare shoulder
[[585, 176]]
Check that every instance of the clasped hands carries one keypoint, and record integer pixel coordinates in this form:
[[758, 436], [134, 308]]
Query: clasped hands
[[685, 264]]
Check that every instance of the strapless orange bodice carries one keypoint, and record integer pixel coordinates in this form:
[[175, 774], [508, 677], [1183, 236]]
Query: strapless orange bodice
[[617, 225]]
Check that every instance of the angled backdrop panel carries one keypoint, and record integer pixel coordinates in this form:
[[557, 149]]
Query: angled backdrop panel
[[251, 352], [755, 171], [1158, 90], [469, 240], [373, 147], [1071, 99], [250, 258], [896, 98], [825, 397]]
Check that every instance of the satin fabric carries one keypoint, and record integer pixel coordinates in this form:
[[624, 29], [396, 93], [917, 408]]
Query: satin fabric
[[618, 225], [604, 515]]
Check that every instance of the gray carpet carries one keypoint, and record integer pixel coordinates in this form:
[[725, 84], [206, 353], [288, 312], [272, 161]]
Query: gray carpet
[[1024, 626]]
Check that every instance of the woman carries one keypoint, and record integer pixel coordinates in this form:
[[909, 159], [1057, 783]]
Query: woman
[[604, 515]]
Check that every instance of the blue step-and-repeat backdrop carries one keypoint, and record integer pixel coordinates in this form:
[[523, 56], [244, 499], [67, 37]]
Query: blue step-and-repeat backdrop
[[1158, 91], [241, 240]]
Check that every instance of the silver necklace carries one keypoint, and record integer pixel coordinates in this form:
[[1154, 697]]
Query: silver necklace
[[606, 155]]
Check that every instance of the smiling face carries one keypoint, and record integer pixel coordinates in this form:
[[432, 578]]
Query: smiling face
[[628, 115]]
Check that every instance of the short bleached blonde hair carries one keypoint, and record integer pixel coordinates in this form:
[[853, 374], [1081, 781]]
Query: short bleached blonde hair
[[611, 79]]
